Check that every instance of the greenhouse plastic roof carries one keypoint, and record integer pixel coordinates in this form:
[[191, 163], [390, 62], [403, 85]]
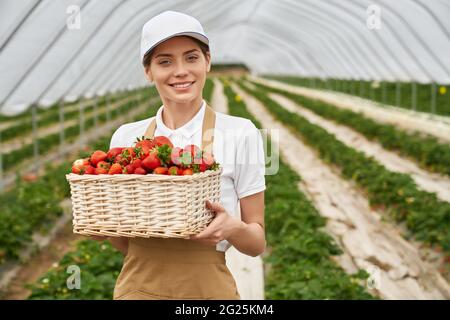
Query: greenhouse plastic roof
[[43, 59]]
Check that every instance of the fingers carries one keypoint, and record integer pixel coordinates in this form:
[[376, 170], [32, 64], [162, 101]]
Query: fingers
[[208, 236], [214, 206], [207, 233], [212, 234]]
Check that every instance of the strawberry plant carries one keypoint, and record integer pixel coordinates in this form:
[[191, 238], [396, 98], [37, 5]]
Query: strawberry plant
[[384, 92], [300, 259], [45, 143], [426, 217], [32, 206], [427, 151], [25, 126], [99, 265]]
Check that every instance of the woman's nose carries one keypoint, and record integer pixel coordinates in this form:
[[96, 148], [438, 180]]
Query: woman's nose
[[180, 70]]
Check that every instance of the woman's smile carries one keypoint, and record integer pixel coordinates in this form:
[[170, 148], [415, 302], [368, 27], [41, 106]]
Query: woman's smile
[[182, 86]]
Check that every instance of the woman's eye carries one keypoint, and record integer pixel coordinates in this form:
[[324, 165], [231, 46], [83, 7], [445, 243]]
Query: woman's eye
[[164, 61], [192, 58]]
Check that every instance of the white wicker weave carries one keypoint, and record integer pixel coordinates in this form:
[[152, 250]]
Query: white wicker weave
[[152, 205]]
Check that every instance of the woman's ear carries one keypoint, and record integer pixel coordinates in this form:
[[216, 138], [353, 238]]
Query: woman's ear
[[208, 61], [148, 74]]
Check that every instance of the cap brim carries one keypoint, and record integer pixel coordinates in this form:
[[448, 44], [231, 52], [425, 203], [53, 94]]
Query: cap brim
[[195, 35]]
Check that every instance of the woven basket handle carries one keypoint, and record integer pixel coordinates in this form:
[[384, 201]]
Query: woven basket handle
[[209, 122]]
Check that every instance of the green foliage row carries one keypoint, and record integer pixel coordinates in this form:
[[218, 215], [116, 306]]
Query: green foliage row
[[427, 151], [426, 217], [301, 253], [25, 126], [396, 94], [42, 112], [32, 206], [14, 157], [208, 90]]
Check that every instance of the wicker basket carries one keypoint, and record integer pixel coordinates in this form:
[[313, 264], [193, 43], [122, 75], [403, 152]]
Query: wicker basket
[[143, 205]]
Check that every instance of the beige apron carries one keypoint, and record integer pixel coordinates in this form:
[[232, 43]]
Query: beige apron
[[159, 268]]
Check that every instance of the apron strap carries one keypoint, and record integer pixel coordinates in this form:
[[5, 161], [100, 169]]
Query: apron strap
[[209, 122]]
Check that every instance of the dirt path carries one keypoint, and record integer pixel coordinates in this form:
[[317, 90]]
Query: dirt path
[[247, 271], [427, 181], [20, 141], [395, 265], [219, 100], [437, 126]]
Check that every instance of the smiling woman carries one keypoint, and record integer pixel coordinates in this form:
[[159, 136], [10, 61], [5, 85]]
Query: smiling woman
[[178, 68], [176, 58]]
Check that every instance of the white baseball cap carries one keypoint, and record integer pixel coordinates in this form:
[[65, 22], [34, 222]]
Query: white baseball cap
[[169, 24]]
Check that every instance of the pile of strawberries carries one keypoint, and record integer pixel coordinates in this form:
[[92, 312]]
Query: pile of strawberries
[[148, 156]]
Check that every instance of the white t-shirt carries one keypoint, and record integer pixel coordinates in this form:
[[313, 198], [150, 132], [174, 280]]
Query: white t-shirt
[[238, 148]]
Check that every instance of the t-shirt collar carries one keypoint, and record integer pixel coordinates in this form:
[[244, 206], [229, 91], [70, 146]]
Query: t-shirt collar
[[188, 129]]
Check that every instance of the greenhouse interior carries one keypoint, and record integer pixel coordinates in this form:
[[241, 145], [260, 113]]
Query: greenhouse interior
[[351, 99]]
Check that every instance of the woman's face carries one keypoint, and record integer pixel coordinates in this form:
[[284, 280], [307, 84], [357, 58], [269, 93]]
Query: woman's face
[[178, 68]]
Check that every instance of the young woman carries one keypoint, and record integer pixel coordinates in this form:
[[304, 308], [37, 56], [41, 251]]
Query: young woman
[[176, 58]]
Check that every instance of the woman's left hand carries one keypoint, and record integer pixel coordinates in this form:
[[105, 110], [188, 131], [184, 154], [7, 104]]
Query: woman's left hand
[[221, 227]]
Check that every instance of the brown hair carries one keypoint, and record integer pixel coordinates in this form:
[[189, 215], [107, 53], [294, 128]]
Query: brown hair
[[148, 56]]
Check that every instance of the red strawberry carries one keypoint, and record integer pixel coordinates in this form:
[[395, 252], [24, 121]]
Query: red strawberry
[[81, 162], [101, 170], [175, 156], [113, 152], [160, 170], [120, 159], [196, 153], [103, 164], [151, 161], [136, 163], [79, 166], [144, 147], [128, 154], [188, 172], [115, 169], [142, 152], [202, 167], [98, 156], [162, 140], [145, 143], [129, 169], [175, 171], [30, 177], [208, 158], [140, 171], [89, 170], [77, 169]]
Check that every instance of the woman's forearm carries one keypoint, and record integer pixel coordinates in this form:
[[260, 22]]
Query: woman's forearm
[[120, 244], [249, 238]]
